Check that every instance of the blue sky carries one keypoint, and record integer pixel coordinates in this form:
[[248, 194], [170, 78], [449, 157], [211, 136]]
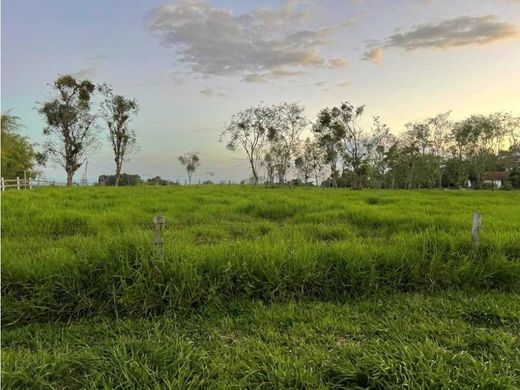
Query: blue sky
[[192, 64]]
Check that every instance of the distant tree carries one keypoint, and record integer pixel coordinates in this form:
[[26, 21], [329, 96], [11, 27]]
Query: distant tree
[[158, 181], [116, 111], [410, 147], [270, 163], [440, 130], [248, 130], [309, 161], [328, 136], [287, 123], [70, 127], [191, 162], [381, 142], [125, 179], [340, 134], [478, 139], [18, 154]]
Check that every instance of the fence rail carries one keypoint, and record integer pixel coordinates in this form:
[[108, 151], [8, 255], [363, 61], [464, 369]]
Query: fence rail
[[22, 184]]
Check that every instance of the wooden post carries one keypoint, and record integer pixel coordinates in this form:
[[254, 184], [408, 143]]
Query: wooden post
[[17, 183], [158, 224], [3, 184], [475, 228], [25, 179]]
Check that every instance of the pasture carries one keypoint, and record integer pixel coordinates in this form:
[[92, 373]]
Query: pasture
[[259, 288]]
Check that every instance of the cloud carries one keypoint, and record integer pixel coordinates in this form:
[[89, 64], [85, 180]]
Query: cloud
[[375, 55], [85, 73], [320, 83], [343, 85], [209, 92], [461, 31], [446, 34], [338, 63], [255, 46]]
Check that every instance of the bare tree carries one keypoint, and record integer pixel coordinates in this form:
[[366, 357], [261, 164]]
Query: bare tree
[[116, 111], [191, 161], [248, 129], [70, 127]]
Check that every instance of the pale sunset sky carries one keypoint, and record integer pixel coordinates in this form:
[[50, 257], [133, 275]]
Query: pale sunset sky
[[192, 64]]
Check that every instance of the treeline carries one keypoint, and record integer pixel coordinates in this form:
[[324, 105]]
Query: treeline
[[126, 179], [479, 151]]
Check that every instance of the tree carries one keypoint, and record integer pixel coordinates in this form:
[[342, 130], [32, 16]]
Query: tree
[[340, 134], [116, 111], [303, 161], [328, 136], [309, 161], [248, 130], [478, 139], [70, 127], [191, 161], [287, 123], [18, 155], [440, 129], [125, 180], [410, 142], [381, 142]]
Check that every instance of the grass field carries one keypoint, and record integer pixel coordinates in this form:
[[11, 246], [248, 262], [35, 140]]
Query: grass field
[[259, 288]]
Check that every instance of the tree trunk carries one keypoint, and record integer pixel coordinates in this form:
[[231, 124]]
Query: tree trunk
[[70, 176], [253, 171], [118, 174]]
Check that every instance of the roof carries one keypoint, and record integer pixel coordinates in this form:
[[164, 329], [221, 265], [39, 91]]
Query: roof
[[494, 175]]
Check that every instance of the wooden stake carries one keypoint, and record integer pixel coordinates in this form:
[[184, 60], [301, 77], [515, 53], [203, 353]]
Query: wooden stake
[[158, 224], [3, 184], [475, 228], [17, 183]]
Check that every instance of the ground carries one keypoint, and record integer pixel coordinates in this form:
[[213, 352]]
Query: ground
[[259, 288]]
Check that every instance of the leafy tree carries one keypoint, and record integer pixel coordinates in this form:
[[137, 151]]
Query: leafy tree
[[309, 161], [248, 130], [70, 127], [478, 138], [125, 179], [328, 136], [440, 129], [288, 122], [116, 111], [191, 161], [381, 142], [18, 155], [339, 132], [303, 161]]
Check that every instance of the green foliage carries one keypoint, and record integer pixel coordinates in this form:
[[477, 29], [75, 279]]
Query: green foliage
[[117, 111], [191, 162], [125, 179], [18, 155], [70, 127]]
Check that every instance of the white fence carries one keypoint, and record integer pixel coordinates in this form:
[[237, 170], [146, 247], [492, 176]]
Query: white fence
[[22, 184]]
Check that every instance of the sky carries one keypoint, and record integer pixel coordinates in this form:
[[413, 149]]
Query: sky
[[192, 64]]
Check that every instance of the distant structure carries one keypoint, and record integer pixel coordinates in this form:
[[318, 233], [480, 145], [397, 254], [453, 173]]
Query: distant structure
[[495, 179]]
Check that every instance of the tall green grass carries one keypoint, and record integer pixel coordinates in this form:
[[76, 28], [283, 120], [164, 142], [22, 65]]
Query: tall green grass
[[281, 288], [405, 340], [69, 253]]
